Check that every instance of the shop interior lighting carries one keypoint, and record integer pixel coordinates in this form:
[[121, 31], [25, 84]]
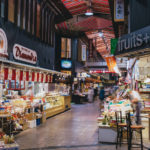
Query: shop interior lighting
[[100, 34]]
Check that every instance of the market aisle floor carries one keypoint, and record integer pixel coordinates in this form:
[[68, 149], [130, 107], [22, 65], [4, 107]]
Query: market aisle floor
[[75, 129]]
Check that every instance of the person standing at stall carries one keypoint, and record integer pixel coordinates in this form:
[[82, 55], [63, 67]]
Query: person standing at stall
[[136, 104], [101, 98], [102, 94], [90, 95], [95, 93]]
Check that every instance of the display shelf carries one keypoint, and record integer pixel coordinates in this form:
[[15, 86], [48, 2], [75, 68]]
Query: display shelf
[[146, 92], [144, 99], [146, 110], [13, 146]]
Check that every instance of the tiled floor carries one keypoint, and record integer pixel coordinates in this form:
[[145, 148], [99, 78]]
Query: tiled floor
[[75, 129]]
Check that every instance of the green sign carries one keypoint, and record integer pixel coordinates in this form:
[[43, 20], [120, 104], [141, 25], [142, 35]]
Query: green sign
[[113, 45]]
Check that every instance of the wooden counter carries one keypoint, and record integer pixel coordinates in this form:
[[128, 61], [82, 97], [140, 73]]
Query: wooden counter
[[67, 102]]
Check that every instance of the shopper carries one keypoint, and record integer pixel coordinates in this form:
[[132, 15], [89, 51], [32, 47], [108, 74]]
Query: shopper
[[102, 94], [95, 92], [90, 95], [136, 104]]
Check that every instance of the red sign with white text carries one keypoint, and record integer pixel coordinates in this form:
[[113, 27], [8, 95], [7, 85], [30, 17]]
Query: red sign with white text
[[24, 54]]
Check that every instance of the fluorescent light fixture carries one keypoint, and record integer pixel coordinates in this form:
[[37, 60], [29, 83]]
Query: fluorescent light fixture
[[101, 34], [147, 80], [89, 13]]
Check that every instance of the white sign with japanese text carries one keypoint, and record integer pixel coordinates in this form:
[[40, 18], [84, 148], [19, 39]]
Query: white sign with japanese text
[[83, 53], [119, 10]]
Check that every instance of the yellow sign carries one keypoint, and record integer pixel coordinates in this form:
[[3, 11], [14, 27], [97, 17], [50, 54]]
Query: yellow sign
[[66, 71]]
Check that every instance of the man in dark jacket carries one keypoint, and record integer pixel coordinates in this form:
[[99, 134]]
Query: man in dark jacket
[[102, 94]]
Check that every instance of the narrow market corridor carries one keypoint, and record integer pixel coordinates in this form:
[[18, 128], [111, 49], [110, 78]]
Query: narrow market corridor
[[75, 129]]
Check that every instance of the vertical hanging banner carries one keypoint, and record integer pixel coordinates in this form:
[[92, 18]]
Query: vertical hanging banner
[[113, 45], [30, 76], [24, 76], [17, 74], [35, 76], [13, 74], [1, 72], [46, 79], [118, 10], [112, 65], [63, 44], [27, 75], [9, 73], [5, 73], [21, 75], [42, 76], [83, 57], [68, 48], [49, 78], [90, 48]]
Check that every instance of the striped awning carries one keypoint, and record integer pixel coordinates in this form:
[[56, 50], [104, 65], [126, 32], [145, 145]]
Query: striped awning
[[102, 43], [91, 25], [80, 6], [94, 23]]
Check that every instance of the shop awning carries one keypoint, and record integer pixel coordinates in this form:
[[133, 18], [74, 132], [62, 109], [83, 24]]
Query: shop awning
[[20, 65]]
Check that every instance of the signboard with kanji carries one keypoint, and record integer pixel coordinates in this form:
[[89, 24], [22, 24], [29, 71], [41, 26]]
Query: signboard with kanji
[[118, 10]]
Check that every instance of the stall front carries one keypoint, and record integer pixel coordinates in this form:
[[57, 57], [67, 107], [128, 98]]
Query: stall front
[[136, 47], [29, 94]]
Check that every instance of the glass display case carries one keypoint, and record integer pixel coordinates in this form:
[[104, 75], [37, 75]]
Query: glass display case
[[53, 101]]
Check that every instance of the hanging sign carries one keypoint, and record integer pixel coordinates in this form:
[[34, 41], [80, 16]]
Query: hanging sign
[[24, 54], [49, 79], [9, 73], [21, 75], [30, 76], [119, 10], [114, 43], [24, 75], [17, 74], [35, 77], [5, 73], [112, 65], [40, 76], [2, 72], [3, 44], [27, 75], [138, 41], [44, 77], [83, 58]]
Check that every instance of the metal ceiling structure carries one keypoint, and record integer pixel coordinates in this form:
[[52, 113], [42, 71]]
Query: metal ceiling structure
[[100, 22]]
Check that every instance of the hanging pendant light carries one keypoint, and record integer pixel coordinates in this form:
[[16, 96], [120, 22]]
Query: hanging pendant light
[[89, 12]]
